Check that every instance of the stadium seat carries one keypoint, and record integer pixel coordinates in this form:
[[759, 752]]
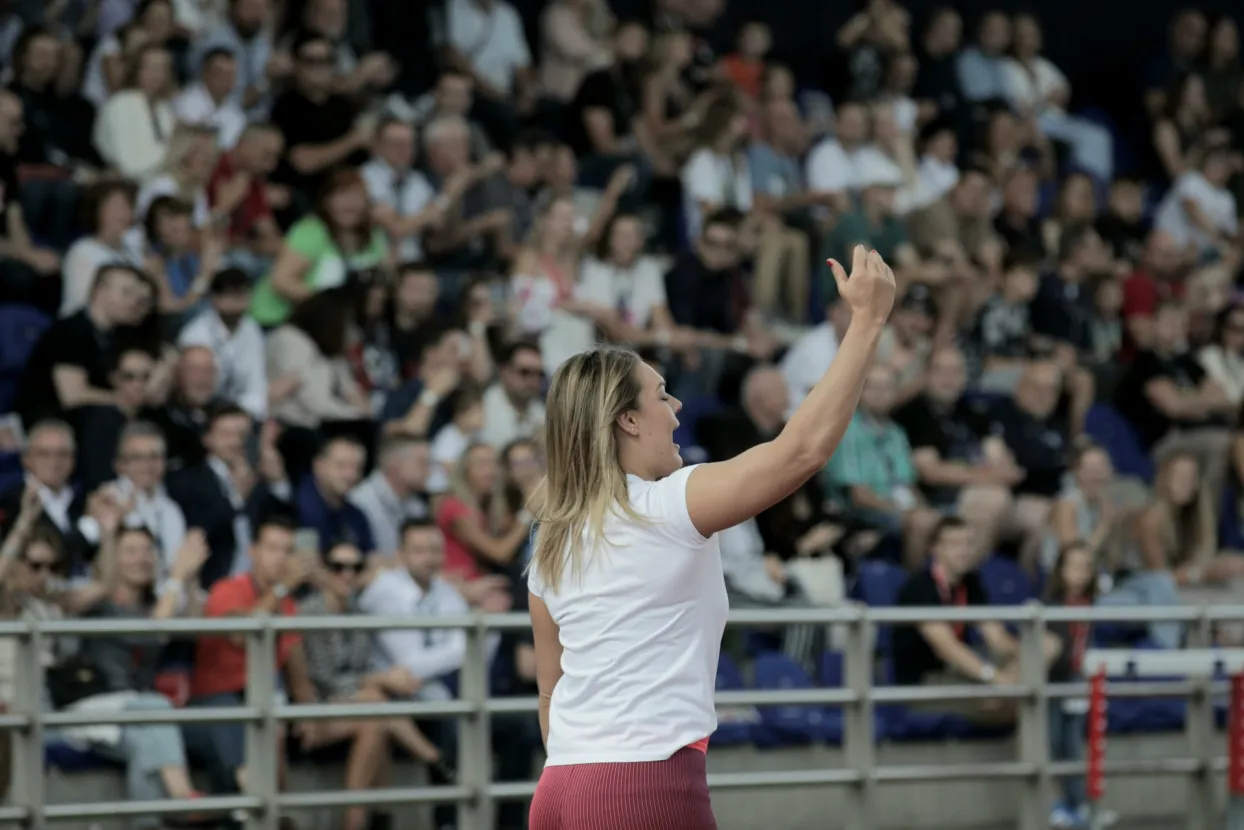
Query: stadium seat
[[788, 725], [1107, 426], [1230, 534], [735, 724], [877, 583], [70, 757], [11, 473], [21, 327], [1005, 582]]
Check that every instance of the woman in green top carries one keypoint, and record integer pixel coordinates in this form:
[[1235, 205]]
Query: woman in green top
[[322, 249]]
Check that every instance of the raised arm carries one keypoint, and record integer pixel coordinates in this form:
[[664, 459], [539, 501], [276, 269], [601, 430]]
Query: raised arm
[[722, 495]]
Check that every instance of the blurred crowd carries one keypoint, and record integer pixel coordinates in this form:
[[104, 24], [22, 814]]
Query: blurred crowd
[[280, 303]]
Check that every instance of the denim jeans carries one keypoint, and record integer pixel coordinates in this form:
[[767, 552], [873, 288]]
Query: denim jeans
[[1150, 588], [1067, 744]]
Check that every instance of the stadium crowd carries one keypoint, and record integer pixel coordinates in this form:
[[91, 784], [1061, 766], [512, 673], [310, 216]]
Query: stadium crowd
[[278, 312]]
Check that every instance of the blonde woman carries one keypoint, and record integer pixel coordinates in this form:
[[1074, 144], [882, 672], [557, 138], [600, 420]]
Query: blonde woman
[[185, 173], [628, 601], [470, 517], [135, 124]]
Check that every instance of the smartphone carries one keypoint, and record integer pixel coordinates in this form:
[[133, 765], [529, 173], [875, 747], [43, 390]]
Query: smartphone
[[307, 541]]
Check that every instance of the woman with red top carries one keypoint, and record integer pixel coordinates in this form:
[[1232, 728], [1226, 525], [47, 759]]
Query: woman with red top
[[480, 537]]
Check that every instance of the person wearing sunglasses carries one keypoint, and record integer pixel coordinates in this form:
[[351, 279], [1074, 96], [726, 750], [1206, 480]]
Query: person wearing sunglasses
[[342, 666]]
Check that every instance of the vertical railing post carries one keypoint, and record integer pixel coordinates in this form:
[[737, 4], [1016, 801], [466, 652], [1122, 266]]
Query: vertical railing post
[[859, 739], [263, 752], [1202, 741], [28, 788], [1034, 742], [475, 731]]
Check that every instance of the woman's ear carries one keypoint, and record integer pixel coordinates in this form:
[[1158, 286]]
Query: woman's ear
[[628, 424]]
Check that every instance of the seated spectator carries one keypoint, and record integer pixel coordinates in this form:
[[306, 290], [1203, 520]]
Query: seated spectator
[[184, 174], [936, 173], [453, 95], [356, 76], [318, 124], [832, 166], [471, 233], [1075, 206], [469, 517], [873, 470], [946, 433], [225, 496], [69, 367], [908, 340], [1002, 337], [182, 273], [1123, 224], [134, 125], [220, 664], [604, 101], [1158, 278], [246, 31], [129, 584], [185, 414], [513, 405], [1223, 358], [466, 406], [140, 486], [524, 470], [323, 497], [1172, 403], [209, 101], [151, 24], [621, 277], [24, 264], [395, 491], [342, 666], [236, 342], [574, 44], [239, 190], [129, 377], [402, 200], [48, 461], [778, 185], [419, 406], [488, 42], [1037, 88], [669, 107], [982, 67], [1088, 513], [1181, 132], [1199, 212], [312, 347], [108, 213], [716, 174], [1030, 433], [1062, 309], [1017, 223], [808, 360], [1175, 549], [321, 250], [745, 68], [937, 653]]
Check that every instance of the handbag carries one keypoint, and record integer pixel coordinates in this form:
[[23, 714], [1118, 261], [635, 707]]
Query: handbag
[[73, 679]]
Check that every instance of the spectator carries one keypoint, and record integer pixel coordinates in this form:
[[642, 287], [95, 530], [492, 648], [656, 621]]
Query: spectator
[[1017, 223], [322, 499], [69, 366], [602, 125], [239, 191], [24, 266], [47, 461], [1223, 358], [1037, 89], [946, 433], [1199, 212], [1087, 514], [466, 406], [182, 275], [874, 225], [452, 97], [152, 24], [807, 361], [881, 494], [833, 167], [130, 377], [1222, 72], [777, 180], [670, 109], [938, 653], [745, 68], [1179, 56], [1173, 405], [246, 34], [108, 213], [226, 497], [209, 102], [937, 90], [1002, 337], [220, 665], [318, 124], [1076, 205], [1063, 308], [868, 39], [187, 410], [237, 343], [573, 45], [512, 405], [419, 407], [982, 67], [462, 239], [140, 485], [908, 340], [402, 200], [524, 469], [485, 38], [395, 491], [469, 518], [322, 250], [184, 174], [412, 307], [1123, 224], [342, 666], [1158, 278], [134, 125], [1182, 134], [355, 75], [716, 174], [130, 585]]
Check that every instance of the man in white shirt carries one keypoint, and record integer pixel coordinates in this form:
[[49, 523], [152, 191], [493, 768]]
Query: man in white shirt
[[833, 165], [806, 361], [512, 405], [246, 35], [402, 199], [140, 485], [210, 102], [237, 342], [393, 493], [488, 40], [1199, 212]]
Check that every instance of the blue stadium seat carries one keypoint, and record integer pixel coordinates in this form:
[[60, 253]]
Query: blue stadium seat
[[1106, 426], [1230, 534], [68, 757], [789, 725], [877, 583], [735, 724], [11, 473], [1005, 582], [21, 327]]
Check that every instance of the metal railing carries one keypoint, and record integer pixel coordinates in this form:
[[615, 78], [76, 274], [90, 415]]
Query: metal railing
[[475, 794]]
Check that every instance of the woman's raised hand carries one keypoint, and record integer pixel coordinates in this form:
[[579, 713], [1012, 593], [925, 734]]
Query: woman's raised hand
[[869, 291]]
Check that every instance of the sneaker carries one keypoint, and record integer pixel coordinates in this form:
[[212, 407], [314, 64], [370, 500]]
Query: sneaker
[[1062, 817], [1105, 818]]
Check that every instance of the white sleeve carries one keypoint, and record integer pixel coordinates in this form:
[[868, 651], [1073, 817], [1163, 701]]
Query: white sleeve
[[535, 583], [254, 371], [828, 170], [77, 272], [700, 178], [517, 38], [666, 503], [594, 284]]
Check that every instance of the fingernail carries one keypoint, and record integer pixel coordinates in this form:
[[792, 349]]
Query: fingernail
[[831, 262]]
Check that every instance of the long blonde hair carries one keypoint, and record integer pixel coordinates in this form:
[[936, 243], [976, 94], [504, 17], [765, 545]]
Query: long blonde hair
[[1187, 533], [584, 482]]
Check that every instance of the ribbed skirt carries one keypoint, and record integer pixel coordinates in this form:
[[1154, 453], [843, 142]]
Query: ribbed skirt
[[657, 795]]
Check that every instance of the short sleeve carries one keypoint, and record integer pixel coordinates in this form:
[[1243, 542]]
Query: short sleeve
[[308, 238], [828, 170], [226, 597], [451, 510], [666, 502], [535, 583], [700, 178]]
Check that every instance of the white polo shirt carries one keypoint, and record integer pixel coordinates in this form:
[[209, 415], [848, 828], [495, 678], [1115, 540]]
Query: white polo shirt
[[641, 632]]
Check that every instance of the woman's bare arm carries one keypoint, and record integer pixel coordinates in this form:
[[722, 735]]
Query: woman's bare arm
[[548, 659], [722, 495]]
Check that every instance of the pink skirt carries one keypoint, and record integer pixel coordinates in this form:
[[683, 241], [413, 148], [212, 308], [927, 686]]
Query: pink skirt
[[654, 795]]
